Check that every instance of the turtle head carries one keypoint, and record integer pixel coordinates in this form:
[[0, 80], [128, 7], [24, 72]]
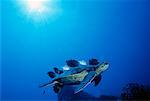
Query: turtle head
[[102, 67]]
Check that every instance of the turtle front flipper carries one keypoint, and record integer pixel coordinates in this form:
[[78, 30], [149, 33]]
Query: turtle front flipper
[[87, 80], [97, 79]]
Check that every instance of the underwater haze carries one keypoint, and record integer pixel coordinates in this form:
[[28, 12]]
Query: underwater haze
[[35, 39]]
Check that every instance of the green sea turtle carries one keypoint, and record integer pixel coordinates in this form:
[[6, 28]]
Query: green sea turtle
[[79, 75]]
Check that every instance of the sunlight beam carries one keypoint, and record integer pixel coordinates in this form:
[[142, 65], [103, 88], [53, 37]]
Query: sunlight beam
[[39, 10], [36, 6]]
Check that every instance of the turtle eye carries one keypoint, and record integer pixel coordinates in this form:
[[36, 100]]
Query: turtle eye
[[106, 63]]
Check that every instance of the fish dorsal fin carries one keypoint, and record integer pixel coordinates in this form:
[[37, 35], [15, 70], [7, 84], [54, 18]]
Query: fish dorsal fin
[[97, 79], [82, 62], [66, 67], [87, 80]]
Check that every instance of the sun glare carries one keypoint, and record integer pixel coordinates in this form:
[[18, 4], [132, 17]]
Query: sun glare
[[39, 10], [36, 6]]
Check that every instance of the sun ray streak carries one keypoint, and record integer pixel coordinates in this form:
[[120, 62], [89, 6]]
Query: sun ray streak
[[39, 10]]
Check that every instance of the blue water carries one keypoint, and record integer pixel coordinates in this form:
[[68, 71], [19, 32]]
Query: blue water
[[114, 31]]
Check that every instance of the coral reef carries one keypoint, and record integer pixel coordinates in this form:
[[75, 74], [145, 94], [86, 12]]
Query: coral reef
[[134, 91]]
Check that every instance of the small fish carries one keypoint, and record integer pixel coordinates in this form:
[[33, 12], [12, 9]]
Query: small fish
[[72, 63], [51, 74], [93, 62], [56, 70], [43, 92]]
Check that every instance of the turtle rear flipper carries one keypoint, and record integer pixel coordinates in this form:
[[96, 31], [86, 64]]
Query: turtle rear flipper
[[57, 87], [46, 84]]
